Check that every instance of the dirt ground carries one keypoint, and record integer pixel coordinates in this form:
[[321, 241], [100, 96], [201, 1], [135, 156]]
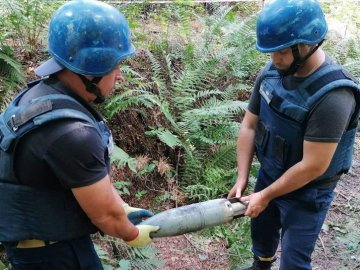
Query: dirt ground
[[338, 246]]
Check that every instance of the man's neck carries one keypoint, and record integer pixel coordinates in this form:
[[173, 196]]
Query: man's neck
[[73, 82], [311, 64]]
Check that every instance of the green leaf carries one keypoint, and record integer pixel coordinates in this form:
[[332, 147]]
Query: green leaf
[[132, 164], [168, 138], [121, 158]]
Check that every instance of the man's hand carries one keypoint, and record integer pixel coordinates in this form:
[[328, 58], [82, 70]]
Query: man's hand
[[256, 204], [143, 237], [238, 188], [136, 215]]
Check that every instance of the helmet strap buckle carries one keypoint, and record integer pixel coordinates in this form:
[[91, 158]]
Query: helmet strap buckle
[[298, 61], [91, 87]]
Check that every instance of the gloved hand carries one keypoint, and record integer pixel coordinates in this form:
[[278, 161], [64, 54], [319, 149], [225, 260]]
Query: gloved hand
[[143, 237], [136, 215]]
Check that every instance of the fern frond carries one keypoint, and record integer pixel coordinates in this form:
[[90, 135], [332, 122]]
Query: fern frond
[[127, 99], [157, 74], [129, 258], [225, 157], [216, 108], [216, 20], [222, 133], [187, 81], [206, 93], [10, 68], [166, 136], [128, 70], [169, 68], [232, 91], [200, 192], [194, 158], [122, 159]]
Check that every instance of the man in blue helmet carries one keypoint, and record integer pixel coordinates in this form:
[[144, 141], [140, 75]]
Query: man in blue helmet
[[301, 122], [55, 148]]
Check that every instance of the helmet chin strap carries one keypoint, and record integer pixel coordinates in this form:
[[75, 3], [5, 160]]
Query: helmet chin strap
[[91, 86], [298, 61]]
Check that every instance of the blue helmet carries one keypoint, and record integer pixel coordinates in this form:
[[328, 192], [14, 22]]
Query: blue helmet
[[87, 37], [283, 23]]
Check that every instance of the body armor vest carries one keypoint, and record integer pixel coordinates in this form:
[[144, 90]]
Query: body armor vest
[[283, 115], [33, 213]]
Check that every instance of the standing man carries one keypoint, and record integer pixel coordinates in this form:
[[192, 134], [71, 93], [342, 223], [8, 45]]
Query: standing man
[[55, 148], [301, 121]]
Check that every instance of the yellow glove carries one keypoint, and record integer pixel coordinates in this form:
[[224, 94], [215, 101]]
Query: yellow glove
[[136, 215], [143, 237]]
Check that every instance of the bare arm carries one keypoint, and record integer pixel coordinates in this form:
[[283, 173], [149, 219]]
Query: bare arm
[[103, 206], [316, 159], [245, 153]]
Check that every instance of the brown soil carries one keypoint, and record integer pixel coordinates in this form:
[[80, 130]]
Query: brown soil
[[192, 252]]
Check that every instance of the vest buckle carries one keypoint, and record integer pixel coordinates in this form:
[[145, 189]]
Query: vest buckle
[[12, 124]]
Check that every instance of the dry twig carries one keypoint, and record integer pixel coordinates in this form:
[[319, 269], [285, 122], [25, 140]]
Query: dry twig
[[323, 246]]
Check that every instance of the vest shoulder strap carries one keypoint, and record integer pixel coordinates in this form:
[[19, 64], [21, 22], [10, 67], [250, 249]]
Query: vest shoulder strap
[[18, 120], [297, 104]]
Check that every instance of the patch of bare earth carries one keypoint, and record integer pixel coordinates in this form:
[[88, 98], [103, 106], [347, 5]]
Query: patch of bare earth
[[190, 251]]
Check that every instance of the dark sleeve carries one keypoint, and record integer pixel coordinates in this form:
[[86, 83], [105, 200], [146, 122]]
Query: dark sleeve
[[329, 119], [77, 157], [254, 103]]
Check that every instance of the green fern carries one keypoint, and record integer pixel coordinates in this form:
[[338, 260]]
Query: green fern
[[195, 86], [123, 257], [198, 97], [24, 21], [225, 157], [11, 75], [10, 68], [121, 158], [166, 136]]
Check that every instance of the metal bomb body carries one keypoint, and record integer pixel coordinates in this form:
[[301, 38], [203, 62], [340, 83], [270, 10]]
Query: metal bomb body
[[195, 217]]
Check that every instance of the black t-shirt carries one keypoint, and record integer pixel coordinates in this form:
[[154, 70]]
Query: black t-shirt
[[328, 119], [62, 154]]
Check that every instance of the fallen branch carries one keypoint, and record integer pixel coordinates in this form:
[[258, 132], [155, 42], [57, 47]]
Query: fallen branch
[[323, 246], [343, 195]]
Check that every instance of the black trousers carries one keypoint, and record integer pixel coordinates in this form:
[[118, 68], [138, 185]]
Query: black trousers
[[75, 254]]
